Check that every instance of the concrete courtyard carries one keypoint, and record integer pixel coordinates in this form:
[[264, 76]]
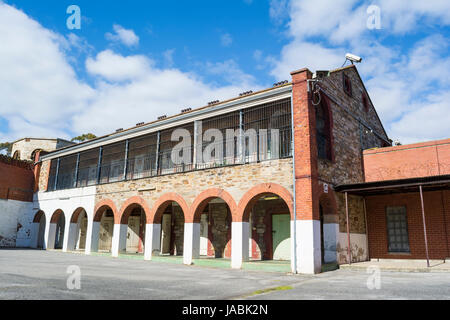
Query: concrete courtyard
[[32, 274]]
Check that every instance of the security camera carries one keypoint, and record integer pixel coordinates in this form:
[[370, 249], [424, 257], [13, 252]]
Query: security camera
[[353, 58]]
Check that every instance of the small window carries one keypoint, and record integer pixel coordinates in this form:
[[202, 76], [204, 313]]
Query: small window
[[397, 228], [323, 132], [365, 102], [347, 84]]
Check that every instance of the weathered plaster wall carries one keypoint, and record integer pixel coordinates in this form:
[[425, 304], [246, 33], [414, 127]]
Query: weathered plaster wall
[[15, 223]]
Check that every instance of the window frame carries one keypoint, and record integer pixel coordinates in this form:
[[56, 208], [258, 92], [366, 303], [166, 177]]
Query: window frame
[[347, 84], [388, 242]]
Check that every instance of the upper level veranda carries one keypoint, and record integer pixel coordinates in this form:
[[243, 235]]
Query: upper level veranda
[[253, 128]]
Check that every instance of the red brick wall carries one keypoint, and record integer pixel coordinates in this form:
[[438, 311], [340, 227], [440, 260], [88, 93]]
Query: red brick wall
[[409, 161], [16, 183], [306, 170], [437, 218]]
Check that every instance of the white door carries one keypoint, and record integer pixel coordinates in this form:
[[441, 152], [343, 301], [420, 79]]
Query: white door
[[165, 233], [133, 234]]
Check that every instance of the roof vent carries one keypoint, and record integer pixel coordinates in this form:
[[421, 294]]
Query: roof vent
[[162, 117], [213, 102], [140, 124], [186, 110], [280, 83], [245, 93]]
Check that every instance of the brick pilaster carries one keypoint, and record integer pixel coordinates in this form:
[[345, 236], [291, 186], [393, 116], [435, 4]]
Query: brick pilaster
[[306, 170]]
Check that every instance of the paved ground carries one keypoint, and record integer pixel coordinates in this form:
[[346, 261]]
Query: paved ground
[[28, 274]]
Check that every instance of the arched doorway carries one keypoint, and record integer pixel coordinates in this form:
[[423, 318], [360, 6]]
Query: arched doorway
[[135, 219], [78, 230], [215, 228], [39, 229], [269, 222], [171, 217], [57, 225], [103, 229]]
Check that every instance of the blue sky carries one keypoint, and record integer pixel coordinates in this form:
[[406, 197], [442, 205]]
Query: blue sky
[[135, 60]]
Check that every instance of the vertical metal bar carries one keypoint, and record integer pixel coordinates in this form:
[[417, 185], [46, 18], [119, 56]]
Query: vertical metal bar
[[349, 250], [56, 174], [367, 228], [158, 141], [241, 136], [99, 164], [197, 126], [125, 165], [75, 182], [424, 226]]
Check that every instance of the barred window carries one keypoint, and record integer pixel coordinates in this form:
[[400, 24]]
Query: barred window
[[52, 175], [224, 151], [87, 168], [166, 145], [113, 163], [272, 124], [66, 172], [142, 157], [397, 228]]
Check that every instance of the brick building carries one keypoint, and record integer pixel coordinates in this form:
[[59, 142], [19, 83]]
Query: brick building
[[407, 200], [256, 179]]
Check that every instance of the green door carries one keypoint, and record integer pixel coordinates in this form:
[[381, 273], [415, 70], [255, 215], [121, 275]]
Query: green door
[[281, 240]]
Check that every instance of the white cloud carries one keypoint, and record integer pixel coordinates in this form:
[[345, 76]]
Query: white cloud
[[168, 57], [114, 67], [42, 96], [125, 36], [404, 84], [38, 85], [226, 40], [299, 54]]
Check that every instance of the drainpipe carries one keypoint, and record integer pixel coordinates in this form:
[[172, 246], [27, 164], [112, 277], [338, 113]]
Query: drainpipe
[[293, 179]]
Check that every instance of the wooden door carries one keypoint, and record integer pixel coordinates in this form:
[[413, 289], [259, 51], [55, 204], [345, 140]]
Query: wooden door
[[133, 234], [165, 233], [106, 233]]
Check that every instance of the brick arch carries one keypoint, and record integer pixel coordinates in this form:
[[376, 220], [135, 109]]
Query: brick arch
[[38, 216], [131, 204], [56, 215], [250, 197], [205, 197], [76, 215], [102, 206], [161, 204]]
